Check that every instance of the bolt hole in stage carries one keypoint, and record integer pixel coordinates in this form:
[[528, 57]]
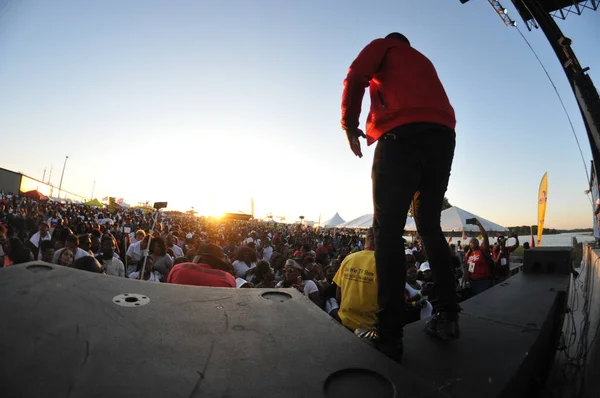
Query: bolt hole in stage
[[358, 383], [130, 300], [39, 268], [276, 296]]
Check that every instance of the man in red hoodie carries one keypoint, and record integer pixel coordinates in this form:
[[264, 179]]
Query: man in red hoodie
[[413, 123]]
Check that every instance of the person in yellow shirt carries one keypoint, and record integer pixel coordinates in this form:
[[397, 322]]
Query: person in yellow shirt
[[356, 281]]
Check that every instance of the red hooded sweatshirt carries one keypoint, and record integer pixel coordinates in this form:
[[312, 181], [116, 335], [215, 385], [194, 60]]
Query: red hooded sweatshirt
[[404, 88]]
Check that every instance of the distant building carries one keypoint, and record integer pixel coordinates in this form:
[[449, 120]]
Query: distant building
[[237, 216], [14, 182]]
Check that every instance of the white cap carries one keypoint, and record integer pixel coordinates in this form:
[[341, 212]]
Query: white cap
[[424, 267]]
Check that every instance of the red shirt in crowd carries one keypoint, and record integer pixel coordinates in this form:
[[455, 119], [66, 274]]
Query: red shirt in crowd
[[324, 249], [200, 275], [477, 265], [503, 270]]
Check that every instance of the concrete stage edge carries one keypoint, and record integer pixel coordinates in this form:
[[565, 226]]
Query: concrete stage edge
[[70, 333]]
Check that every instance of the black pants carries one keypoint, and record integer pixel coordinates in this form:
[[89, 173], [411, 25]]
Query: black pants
[[411, 161]]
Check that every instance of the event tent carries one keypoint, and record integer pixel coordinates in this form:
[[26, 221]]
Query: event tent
[[333, 221], [454, 219], [366, 221], [35, 195], [94, 203], [59, 200]]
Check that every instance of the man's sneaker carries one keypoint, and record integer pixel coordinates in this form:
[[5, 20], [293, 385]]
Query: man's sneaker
[[393, 349], [443, 325]]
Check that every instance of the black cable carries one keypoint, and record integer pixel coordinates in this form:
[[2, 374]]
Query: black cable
[[561, 103], [573, 370]]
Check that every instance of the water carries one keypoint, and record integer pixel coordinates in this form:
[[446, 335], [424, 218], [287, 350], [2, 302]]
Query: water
[[556, 240], [564, 239]]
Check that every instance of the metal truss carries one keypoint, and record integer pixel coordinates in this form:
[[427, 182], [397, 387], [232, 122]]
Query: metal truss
[[502, 13], [576, 8]]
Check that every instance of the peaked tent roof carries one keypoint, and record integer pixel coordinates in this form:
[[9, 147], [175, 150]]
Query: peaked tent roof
[[94, 202], [333, 221], [35, 195], [454, 219], [366, 221]]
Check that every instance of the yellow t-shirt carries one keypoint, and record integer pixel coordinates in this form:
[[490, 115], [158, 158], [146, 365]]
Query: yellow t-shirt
[[357, 278]]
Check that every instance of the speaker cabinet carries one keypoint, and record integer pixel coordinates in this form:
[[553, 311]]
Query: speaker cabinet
[[548, 260]]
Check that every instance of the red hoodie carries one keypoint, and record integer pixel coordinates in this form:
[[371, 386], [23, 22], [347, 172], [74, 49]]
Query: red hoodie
[[404, 88]]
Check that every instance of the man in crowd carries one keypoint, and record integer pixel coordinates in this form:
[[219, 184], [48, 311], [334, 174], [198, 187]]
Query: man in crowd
[[413, 122], [112, 265], [209, 268], [135, 252], [356, 281], [72, 243], [172, 244], [36, 240]]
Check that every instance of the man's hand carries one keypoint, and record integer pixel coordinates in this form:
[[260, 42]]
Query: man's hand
[[353, 136]]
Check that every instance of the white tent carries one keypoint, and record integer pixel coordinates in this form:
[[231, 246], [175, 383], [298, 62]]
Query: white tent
[[454, 219], [333, 221], [366, 221], [59, 200]]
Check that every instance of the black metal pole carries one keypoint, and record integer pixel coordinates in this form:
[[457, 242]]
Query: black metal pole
[[581, 84]]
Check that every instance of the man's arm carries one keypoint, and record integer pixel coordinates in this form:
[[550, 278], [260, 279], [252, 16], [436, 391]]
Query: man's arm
[[359, 75]]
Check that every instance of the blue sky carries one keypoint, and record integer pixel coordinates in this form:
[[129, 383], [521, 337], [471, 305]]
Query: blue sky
[[209, 103]]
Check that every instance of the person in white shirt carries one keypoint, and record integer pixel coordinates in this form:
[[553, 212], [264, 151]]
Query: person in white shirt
[[135, 252], [267, 251], [245, 259], [177, 251], [72, 242], [112, 266], [293, 278], [149, 273], [253, 238], [137, 235], [36, 240]]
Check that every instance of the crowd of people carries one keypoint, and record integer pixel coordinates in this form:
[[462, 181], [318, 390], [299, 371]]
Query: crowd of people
[[335, 269]]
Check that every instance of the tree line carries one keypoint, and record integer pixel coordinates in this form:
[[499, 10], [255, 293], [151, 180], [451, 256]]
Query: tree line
[[526, 230]]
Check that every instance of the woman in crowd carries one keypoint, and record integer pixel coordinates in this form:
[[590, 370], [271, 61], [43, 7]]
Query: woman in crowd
[[244, 260], [292, 272], [15, 252], [161, 260], [66, 257], [417, 306]]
